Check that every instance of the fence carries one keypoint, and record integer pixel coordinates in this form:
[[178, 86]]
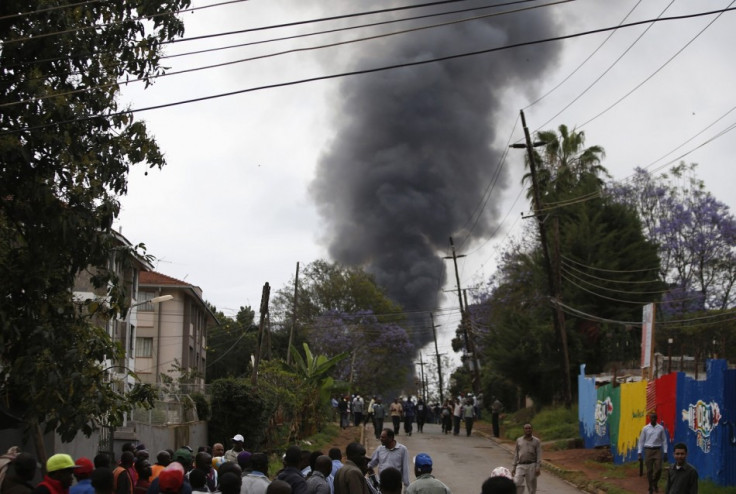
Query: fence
[[178, 409], [699, 413]]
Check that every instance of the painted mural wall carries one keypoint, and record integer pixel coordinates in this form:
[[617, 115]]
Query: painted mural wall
[[699, 413]]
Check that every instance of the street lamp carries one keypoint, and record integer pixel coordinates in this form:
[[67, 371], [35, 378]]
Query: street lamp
[[154, 300]]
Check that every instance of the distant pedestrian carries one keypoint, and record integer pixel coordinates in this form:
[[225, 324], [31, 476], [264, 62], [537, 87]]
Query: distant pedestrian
[[496, 409], [425, 483], [527, 461], [397, 412], [682, 478], [421, 413], [379, 415], [358, 406], [653, 442], [457, 417], [446, 416], [468, 414], [343, 407], [409, 413]]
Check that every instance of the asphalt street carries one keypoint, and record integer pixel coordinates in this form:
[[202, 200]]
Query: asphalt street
[[462, 462]]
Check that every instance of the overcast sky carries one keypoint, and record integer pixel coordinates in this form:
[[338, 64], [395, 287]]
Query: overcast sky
[[382, 168]]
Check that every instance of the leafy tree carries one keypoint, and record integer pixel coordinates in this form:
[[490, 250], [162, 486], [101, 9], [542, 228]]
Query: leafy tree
[[379, 351], [65, 152], [230, 345], [238, 407], [695, 233], [607, 271]]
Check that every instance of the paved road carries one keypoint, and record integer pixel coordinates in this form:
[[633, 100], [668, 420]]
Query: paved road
[[462, 462]]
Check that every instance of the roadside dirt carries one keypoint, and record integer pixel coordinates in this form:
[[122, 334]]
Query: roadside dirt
[[591, 470]]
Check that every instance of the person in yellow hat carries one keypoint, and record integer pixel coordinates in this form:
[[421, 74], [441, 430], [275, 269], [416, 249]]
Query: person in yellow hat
[[59, 475]]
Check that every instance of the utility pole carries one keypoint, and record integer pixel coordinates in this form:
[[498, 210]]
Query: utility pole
[[558, 317], [469, 347], [439, 360], [423, 387], [293, 318], [264, 312]]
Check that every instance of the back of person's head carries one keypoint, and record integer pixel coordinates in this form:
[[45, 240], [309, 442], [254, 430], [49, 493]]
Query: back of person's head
[[323, 464], [171, 478], [197, 479], [229, 466], [128, 447], [355, 452], [127, 459], [203, 461], [335, 454], [292, 456], [25, 466], [305, 459], [244, 459], [313, 458], [391, 483], [259, 462], [278, 487], [102, 460], [143, 468], [163, 457], [230, 483], [498, 485], [103, 480]]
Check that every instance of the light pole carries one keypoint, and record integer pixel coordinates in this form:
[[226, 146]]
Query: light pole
[[669, 355]]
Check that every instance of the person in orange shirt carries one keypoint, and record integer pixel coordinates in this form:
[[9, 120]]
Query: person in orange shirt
[[163, 458]]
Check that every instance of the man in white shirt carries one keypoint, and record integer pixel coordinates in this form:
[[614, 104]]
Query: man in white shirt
[[653, 442], [391, 454]]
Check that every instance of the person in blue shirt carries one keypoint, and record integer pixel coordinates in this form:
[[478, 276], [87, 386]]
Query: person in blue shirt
[[83, 474]]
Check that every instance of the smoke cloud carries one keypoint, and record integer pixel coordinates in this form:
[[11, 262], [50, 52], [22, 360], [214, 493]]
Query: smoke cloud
[[411, 156]]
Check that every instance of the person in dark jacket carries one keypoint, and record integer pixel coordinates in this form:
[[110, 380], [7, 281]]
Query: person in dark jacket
[[20, 474], [291, 473], [682, 478], [59, 475]]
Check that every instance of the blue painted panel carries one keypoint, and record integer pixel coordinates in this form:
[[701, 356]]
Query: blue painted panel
[[587, 398]]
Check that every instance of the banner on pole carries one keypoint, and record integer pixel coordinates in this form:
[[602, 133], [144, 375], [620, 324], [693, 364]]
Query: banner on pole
[[646, 335]]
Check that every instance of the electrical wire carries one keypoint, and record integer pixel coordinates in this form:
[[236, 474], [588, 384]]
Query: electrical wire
[[610, 67], [643, 270], [360, 72], [149, 78]]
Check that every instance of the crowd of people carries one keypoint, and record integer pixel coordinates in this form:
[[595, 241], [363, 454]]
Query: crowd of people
[[352, 410]]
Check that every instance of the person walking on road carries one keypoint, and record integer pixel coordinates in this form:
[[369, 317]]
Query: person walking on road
[[446, 416], [390, 454], [396, 411], [457, 416], [496, 409], [653, 442], [421, 413], [682, 478], [527, 461], [408, 415], [468, 416], [425, 482], [379, 415], [358, 404]]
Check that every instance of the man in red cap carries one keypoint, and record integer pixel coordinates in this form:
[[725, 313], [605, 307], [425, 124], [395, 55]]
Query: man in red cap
[[83, 474]]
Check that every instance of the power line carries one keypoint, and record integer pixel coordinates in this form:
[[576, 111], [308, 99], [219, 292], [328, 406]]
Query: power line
[[363, 71]]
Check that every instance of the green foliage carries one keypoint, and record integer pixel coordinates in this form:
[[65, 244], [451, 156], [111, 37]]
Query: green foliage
[[550, 423], [204, 411], [65, 154], [239, 407], [230, 345]]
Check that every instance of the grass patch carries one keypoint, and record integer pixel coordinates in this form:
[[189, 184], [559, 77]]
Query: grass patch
[[708, 487], [549, 424]]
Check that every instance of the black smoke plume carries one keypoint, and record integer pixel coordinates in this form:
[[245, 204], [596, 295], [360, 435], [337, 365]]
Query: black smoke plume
[[412, 157]]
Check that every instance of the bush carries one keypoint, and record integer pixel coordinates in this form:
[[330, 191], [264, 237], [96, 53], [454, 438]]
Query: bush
[[238, 409], [204, 411]]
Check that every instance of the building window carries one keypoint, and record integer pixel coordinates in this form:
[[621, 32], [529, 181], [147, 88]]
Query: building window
[[145, 297], [143, 347]]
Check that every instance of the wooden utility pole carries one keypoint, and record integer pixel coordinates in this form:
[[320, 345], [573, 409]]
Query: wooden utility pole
[[264, 312], [558, 317], [439, 360], [464, 322], [293, 319], [423, 387]]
